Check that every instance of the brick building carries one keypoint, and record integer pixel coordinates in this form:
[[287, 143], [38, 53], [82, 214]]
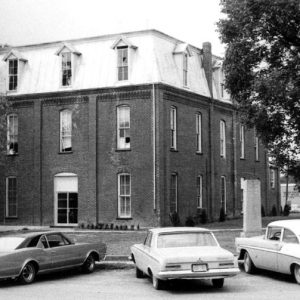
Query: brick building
[[123, 129]]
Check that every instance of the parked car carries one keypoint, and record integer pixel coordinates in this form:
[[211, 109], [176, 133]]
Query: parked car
[[182, 253], [23, 256], [278, 250]]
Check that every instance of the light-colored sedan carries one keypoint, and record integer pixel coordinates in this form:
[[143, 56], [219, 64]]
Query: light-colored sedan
[[278, 250], [23, 256], [182, 253]]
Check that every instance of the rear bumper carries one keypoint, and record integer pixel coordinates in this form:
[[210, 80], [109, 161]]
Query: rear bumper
[[187, 274]]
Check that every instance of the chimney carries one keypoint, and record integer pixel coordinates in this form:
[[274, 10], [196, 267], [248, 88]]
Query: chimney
[[207, 65]]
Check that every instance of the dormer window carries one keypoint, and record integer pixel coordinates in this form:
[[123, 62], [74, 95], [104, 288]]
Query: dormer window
[[15, 63], [69, 57], [124, 51]]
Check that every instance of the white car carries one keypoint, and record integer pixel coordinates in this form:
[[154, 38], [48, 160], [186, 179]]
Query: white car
[[182, 253], [278, 250]]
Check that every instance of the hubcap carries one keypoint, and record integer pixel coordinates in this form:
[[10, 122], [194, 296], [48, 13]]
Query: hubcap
[[28, 272], [246, 262]]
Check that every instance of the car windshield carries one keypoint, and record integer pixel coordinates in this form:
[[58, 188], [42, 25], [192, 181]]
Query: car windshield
[[185, 239], [10, 243]]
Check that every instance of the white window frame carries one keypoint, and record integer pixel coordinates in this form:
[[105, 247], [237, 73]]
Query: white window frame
[[65, 134], [64, 68], [15, 76], [175, 188], [199, 132], [242, 141], [126, 214], [122, 67], [173, 127], [223, 193], [199, 191], [272, 178], [222, 138], [185, 64], [123, 128], [7, 210], [12, 136]]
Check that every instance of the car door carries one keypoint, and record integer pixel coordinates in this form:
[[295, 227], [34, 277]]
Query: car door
[[144, 259]]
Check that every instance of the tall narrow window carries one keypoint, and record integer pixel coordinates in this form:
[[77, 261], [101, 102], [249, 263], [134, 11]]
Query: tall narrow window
[[222, 90], [12, 74], [11, 197], [242, 140], [12, 134], [256, 146], [173, 193], [122, 63], [124, 192], [223, 192], [65, 131], [199, 132], [272, 178], [199, 191], [222, 138], [173, 127], [123, 119], [185, 69], [66, 68]]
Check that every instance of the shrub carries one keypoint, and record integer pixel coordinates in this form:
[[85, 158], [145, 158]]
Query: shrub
[[189, 222], [174, 217], [222, 217], [274, 211], [203, 216], [286, 210], [263, 213]]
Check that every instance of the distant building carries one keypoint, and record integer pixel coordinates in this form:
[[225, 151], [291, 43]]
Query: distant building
[[124, 129]]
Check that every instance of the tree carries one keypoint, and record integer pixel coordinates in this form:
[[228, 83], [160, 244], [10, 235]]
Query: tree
[[262, 71]]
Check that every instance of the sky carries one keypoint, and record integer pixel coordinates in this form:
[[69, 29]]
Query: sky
[[24, 22]]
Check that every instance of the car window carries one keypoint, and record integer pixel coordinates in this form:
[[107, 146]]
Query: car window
[[289, 237], [33, 242], [56, 240], [148, 239], [274, 233], [42, 242]]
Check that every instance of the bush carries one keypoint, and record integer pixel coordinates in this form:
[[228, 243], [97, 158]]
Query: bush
[[222, 217], [189, 222], [274, 211], [174, 218], [263, 213], [286, 210], [203, 216]]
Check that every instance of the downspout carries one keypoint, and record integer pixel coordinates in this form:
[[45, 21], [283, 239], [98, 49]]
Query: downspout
[[154, 145]]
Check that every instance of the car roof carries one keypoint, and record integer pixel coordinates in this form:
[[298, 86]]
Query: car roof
[[178, 229], [26, 234], [293, 225]]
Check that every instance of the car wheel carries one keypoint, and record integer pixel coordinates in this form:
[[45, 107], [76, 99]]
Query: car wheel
[[28, 273], [157, 283], [138, 273], [218, 283], [297, 273], [248, 263], [89, 264]]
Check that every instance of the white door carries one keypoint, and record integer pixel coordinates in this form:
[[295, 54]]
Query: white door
[[66, 199]]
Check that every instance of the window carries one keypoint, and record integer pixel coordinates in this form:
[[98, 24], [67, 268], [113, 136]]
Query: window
[[289, 237], [67, 208], [274, 233], [66, 68], [222, 90], [185, 69], [148, 239], [199, 191], [12, 74], [242, 141], [223, 192], [65, 131], [11, 197], [199, 132], [173, 126], [124, 191], [123, 135], [122, 63], [272, 178], [256, 149], [57, 240], [222, 138], [173, 193], [12, 134]]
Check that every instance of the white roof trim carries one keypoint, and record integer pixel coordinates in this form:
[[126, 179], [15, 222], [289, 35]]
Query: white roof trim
[[182, 48], [16, 53], [69, 47], [125, 41]]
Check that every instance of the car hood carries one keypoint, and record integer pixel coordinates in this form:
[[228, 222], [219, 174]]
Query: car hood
[[187, 254]]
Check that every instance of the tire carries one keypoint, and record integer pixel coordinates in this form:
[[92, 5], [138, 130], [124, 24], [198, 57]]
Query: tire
[[138, 273], [218, 283], [157, 283], [248, 264], [296, 272], [89, 264], [28, 274]]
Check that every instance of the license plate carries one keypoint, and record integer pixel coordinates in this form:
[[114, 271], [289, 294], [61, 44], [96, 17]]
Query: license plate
[[199, 268]]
